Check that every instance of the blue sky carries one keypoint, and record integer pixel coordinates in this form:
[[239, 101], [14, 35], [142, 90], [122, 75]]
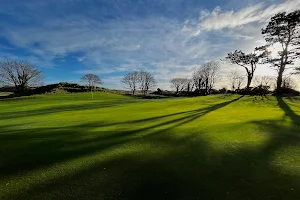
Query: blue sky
[[170, 38]]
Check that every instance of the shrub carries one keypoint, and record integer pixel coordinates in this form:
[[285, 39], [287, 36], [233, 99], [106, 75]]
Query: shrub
[[287, 92], [261, 90]]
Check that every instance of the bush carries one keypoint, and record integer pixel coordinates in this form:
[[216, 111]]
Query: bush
[[261, 90], [158, 92], [287, 92], [223, 90], [58, 91]]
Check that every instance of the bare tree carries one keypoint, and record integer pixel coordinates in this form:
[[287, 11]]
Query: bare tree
[[236, 79], [131, 80], [283, 29], [179, 84], [146, 81], [91, 80], [21, 74], [264, 80], [205, 77], [189, 85], [288, 82]]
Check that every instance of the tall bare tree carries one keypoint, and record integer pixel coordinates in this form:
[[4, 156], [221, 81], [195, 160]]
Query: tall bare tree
[[264, 80], [206, 75], [21, 74], [283, 29], [91, 81], [189, 85], [180, 84], [236, 79], [131, 80], [146, 81]]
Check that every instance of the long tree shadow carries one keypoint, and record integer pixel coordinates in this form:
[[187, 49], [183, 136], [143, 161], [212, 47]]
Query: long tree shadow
[[288, 111], [184, 167], [39, 147]]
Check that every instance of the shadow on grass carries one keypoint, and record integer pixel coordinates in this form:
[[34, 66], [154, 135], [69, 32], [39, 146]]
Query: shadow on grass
[[165, 164], [63, 108], [288, 111], [184, 167], [33, 148]]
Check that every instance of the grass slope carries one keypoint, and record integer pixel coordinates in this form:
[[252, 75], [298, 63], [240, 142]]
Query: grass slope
[[116, 147]]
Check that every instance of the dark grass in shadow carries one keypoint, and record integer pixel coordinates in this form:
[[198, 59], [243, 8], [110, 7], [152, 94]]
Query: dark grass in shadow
[[183, 167], [288, 111], [187, 168], [38, 147]]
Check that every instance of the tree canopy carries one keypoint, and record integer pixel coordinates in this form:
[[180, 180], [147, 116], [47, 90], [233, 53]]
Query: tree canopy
[[283, 29]]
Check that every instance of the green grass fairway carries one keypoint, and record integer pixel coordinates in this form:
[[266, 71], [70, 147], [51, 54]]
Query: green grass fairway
[[117, 147]]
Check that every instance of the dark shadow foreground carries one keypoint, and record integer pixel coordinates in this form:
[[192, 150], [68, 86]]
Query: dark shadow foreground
[[172, 167]]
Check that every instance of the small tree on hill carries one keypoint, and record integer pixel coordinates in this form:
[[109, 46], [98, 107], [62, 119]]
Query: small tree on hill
[[91, 81]]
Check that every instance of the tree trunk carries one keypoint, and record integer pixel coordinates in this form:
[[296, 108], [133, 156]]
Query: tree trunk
[[206, 86], [279, 80], [199, 85], [249, 79], [20, 88]]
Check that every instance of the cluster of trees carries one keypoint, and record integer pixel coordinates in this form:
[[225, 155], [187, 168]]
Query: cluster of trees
[[205, 77], [282, 29], [202, 81], [139, 80], [182, 84]]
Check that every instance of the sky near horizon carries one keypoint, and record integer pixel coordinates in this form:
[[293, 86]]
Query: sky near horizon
[[170, 38]]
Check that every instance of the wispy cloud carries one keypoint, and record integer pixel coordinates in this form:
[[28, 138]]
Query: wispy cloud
[[217, 19]]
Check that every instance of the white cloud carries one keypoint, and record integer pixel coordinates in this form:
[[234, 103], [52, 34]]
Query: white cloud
[[217, 19]]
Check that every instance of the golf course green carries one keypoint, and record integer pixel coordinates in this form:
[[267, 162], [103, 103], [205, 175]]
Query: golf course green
[[119, 147]]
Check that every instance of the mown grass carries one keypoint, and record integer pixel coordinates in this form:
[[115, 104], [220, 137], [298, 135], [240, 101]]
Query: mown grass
[[117, 147]]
